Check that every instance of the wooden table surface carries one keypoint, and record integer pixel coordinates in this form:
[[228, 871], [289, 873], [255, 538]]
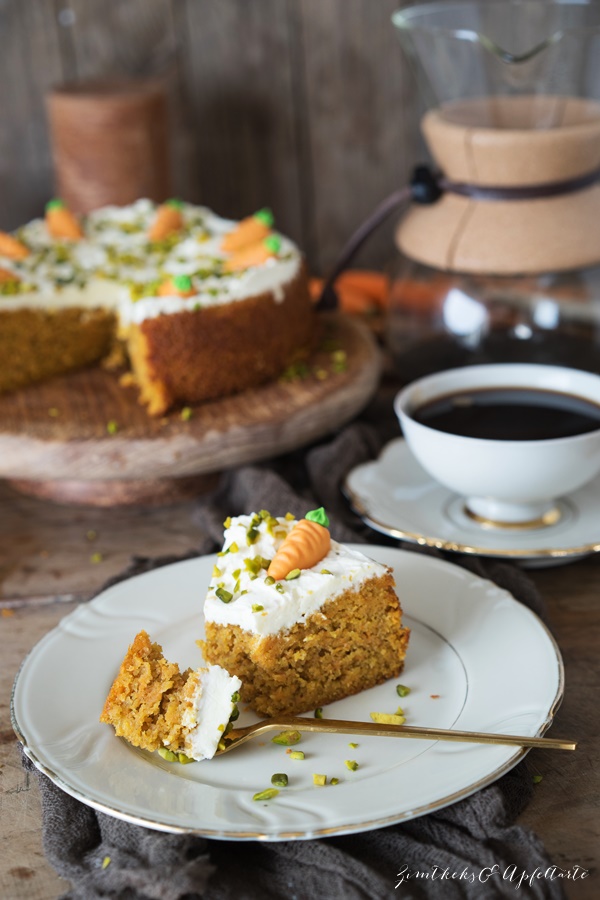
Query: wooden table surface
[[50, 561]]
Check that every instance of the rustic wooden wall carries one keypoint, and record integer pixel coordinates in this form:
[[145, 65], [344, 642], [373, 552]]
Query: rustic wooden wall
[[303, 105]]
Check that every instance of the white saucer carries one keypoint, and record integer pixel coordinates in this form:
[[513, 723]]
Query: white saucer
[[396, 496]]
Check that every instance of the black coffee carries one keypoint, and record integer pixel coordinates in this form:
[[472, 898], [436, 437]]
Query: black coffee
[[510, 414]]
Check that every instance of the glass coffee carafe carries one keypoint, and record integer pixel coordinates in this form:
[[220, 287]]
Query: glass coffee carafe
[[502, 261]]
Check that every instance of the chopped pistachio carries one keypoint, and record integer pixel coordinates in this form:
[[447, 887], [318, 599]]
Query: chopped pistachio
[[319, 712], [351, 764], [186, 414], [295, 754], [53, 412], [227, 522], [334, 781], [289, 517], [183, 759], [91, 535], [264, 514], [537, 779], [96, 558], [280, 779], [387, 718], [236, 574], [269, 580], [320, 780], [279, 587], [233, 547], [220, 728], [167, 754], [235, 697], [256, 607], [223, 595], [106, 862], [266, 795], [112, 427], [402, 690], [399, 711], [291, 576], [286, 737], [353, 745], [326, 572], [216, 573]]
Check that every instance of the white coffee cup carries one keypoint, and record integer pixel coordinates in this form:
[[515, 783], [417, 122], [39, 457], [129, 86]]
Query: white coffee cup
[[504, 482]]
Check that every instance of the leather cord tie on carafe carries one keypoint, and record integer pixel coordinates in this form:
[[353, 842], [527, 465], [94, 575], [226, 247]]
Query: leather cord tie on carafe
[[427, 186]]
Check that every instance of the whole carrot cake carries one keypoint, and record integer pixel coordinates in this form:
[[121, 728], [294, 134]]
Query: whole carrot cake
[[202, 307], [156, 707], [300, 619]]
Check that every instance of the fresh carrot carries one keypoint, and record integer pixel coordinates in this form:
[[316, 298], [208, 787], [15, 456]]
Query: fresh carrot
[[249, 231], [168, 220], [11, 247], [6, 275], [253, 255], [61, 222], [306, 544], [177, 286]]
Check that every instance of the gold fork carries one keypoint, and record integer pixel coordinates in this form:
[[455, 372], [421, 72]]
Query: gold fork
[[368, 729]]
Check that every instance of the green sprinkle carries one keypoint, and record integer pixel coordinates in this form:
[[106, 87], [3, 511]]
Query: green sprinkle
[[334, 781], [266, 795], [56, 203], [186, 414], [269, 580], [402, 690], [295, 754], [537, 779], [273, 243], [351, 764], [326, 572], [286, 737], [319, 712], [112, 427], [354, 746], [319, 516], [256, 607], [106, 862], [320, 780], [96, 558], [175, 203], [280, 779], [224, 595], [279, 587], [235, 697], [291, 576], [182, 282], [265, 216]]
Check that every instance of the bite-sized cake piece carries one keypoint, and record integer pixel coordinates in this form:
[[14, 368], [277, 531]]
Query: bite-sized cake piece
[[299, 618], [203, 306], [153, 705]]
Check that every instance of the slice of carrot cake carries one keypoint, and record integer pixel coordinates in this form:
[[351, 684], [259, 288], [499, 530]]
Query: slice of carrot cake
[[299, 618], [156, 707]]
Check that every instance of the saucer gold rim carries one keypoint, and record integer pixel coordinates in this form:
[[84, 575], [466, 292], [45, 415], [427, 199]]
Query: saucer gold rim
[[550, 517]]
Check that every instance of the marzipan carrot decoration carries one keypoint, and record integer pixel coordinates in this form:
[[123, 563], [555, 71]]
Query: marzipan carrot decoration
[[249, 231], [6, 275], [177, 286], [168, 220], [253, 255], [307, 543], [61, 222], [11, 247]]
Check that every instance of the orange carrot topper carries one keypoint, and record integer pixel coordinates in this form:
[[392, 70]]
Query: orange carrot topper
[[249, 231], [168, 220], [253, 254], [177, 286], [306, 544], [61, 223], [11, 247], [6, 276]]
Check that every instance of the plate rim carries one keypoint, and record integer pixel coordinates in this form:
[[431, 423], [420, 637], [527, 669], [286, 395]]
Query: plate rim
[[284, 835], [437, 543]]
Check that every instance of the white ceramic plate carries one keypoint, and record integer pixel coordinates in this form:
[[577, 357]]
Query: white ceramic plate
[[397, 497], [488, 660]]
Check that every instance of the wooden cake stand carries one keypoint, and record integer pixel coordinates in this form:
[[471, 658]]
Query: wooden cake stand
[[83, 438]]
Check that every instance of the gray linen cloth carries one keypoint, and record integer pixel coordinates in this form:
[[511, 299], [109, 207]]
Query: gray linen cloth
[[460, 840]]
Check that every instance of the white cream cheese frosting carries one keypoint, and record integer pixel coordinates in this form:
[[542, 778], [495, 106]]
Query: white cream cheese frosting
[[115, 266], [212, 707], [238, 594]]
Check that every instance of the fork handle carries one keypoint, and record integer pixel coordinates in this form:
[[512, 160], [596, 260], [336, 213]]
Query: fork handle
[[342, 726]]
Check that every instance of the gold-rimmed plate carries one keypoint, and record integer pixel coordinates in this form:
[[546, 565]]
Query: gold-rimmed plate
[[395, 496], [461, 626]]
